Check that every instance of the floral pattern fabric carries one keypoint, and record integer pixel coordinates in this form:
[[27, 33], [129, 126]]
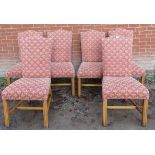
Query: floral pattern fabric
[[36, 57], [62, 45], [27, 89], [91, 46], [90, 70], [62, 69], [117, 56], [123, 88]]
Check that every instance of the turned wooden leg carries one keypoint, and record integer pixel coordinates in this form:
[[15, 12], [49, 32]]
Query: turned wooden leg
[[6, 113], [142, 79], [104, 112], [144, 114], [45, 113], [8, 80], [79, 87], [73, 86]]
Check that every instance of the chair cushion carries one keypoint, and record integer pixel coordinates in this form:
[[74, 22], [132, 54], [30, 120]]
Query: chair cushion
[[91, 45], [90, 70], [27, 89], [62, 70], [62, 45], [15, 71], [137, 70], [117, 56], [123, 88]]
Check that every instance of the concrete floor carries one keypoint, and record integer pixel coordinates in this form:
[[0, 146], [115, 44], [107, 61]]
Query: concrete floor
[[84, 113]]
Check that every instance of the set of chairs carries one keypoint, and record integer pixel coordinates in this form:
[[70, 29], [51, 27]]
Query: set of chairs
[[107, 58]]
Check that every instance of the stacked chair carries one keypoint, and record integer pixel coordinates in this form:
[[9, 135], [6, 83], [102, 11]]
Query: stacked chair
[[35, 83], [117, 77], [91, 66]]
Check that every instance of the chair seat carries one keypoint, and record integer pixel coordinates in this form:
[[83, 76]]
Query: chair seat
[[137, 70], [94, 70], [27, 89], [15, 71], [123, 88], [62, 70], [90, 70]]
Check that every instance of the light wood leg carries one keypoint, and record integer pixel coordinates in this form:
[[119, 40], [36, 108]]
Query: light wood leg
[[73, 86], [145, 109], [8, 80], [104, 112], [45, 113], [79, 87], [6, 113]]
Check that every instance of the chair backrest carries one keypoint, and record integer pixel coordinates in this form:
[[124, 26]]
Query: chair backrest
[[117, 56], [121, 32], [36, 57], [29, 33], [91, 46], [62, 45]]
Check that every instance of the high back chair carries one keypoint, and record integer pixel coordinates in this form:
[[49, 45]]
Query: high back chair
[[137, 70], [35, 83], [15, 71], [61, 66], [91, 66], [117, 77]]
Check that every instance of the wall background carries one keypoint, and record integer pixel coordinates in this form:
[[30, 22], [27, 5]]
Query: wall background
[[144, 37]]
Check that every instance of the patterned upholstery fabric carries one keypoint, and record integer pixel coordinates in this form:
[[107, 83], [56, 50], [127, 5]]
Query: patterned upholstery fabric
[[27, 89], [15, 71], [62, 45], [36, 57], [123, 88], [117, 56], [121, 32], [29, 33], [137, 70], [91, 44], [62, 69], [90, 70]]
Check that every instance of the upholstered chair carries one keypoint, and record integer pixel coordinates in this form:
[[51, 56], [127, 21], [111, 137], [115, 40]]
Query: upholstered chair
[[118, 82]]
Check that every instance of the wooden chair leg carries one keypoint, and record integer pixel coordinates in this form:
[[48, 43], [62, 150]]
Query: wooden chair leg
[[104, 112], [79, 87], [8, 80], [73, 86], [6, 113], [45, 113], [144, 114], [142, 79]]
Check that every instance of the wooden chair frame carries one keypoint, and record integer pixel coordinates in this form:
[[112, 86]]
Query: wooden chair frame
[[72, 84], [44, 108], [80, 84], [142, 109]]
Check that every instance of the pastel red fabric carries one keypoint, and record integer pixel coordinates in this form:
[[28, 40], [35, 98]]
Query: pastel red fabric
[[91, 45], [27, 89], [123, 88], [137, 70], [62, 69], [36, 57], [117, 56], [29, 33], [15, 71], [121, 32], [90, 70], [62, 45]]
